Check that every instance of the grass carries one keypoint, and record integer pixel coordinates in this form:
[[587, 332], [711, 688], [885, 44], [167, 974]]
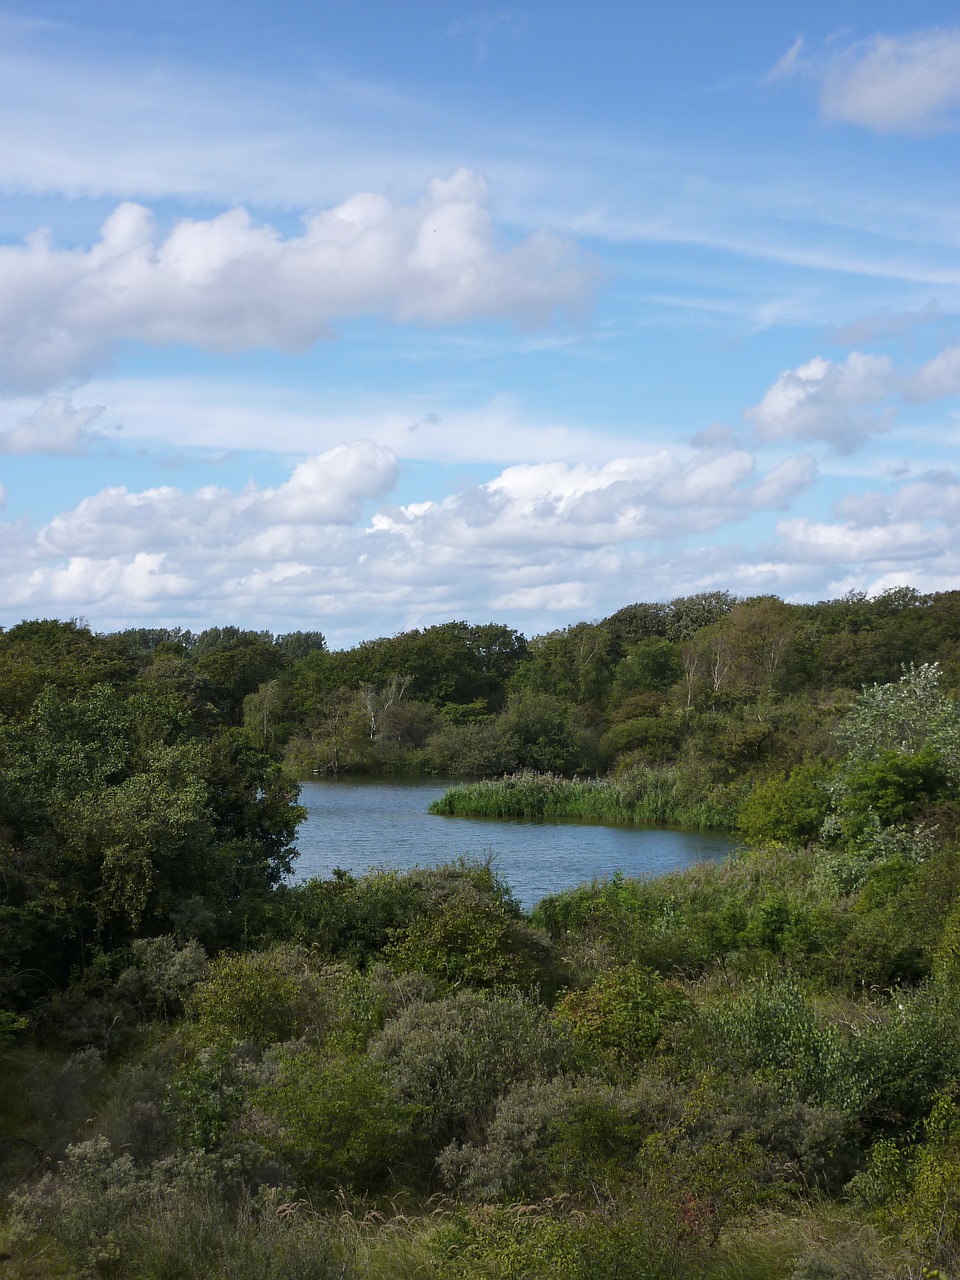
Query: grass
[[654, 798]]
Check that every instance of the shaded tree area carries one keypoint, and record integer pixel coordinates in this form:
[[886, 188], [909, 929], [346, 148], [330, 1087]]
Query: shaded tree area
[[130, 797]]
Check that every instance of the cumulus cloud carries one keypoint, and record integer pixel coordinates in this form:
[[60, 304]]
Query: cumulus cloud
[[538, 544], [257, 524], [327, 544], [556, 505], [896, 84], [826, 400], [853, 544], [937, 378], [230, 284], [56, 426]]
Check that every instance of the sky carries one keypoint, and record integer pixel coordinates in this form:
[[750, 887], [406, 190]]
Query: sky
[[359, 318]]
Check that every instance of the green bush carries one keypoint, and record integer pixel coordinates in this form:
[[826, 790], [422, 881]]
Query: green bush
[[901, 1057], [332, 1119], [621, 1018], [257, 996], [472, 940], [788, 806], [354, 918], [553, 1137], [173, 1220], [888, 789], [452, 1059], [769, 1030]]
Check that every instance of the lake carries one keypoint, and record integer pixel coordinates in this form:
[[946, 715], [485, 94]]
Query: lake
[[359, 824]]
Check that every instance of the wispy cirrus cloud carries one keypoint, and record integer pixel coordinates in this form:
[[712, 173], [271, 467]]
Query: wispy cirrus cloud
[[907, 83], [881, 325]]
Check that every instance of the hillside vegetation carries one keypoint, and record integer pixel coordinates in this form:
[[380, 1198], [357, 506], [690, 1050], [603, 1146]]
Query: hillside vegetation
[[749, 1070]]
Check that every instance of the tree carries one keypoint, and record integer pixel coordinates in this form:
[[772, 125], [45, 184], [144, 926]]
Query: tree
[[115, 808]]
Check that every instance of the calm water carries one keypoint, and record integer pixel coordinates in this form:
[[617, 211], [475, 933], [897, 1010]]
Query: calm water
[[358, 824]]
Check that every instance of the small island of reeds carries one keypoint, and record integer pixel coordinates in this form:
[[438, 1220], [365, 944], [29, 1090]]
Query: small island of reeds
[[649, 798]]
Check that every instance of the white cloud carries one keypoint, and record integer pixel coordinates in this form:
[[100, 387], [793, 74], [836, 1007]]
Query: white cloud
[[785, 482], [825, 400], [55, 426], [547, 538], [934, 496], [896, 84], [256, 524], [847, 543], [937, 378], [230, 284]]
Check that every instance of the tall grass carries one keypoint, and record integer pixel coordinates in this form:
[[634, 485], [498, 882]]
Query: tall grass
[[652, 798]]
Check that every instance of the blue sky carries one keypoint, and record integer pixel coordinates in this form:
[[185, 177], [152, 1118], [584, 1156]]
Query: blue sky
[[365, 317]]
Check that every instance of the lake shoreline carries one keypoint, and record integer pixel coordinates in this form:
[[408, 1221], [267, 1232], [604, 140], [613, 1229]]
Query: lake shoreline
[[362, 824]]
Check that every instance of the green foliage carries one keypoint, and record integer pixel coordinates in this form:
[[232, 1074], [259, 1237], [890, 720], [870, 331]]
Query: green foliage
[[357, 917], [650, 664], [173, 1220], [773, 1032], [787, 806], [623, 1015], [116, 808], [946, 962], [333, 1120], [452, 1058], [473, 940], [11, 1024], [908, 715], [551, 1137], [641, 797], [889, 789], [259, 996]]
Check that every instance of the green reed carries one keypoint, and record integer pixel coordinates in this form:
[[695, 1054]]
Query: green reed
[[655, 798]]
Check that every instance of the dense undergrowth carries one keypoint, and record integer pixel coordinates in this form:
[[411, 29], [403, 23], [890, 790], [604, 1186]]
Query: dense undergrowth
[[745, 1071], [740, 1070]]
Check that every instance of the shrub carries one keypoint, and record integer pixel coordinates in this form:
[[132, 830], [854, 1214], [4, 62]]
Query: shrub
[[788, 806], [355, 918], [900, 1058], [169, 1221], [888, 789], [253, 996], [769, 1030], [161, 974], [552, 1137], [621, 1018], [453, 1058], [332, 1119], [471, 940]]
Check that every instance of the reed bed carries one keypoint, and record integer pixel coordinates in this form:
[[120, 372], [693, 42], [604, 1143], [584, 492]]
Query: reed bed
[[654, 798]]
